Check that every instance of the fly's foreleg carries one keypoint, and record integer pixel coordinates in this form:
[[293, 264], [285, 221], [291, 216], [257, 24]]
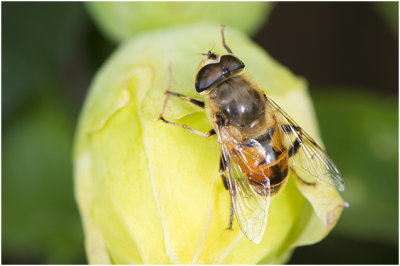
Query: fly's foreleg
[[222, 171], [181, 96], [186, 98], [193, 101]]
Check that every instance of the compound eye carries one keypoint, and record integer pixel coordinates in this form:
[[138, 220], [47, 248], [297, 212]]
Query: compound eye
[[233, 64], [208, 76]]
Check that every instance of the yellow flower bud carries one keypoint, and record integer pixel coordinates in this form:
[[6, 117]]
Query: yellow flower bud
[[151, 193]]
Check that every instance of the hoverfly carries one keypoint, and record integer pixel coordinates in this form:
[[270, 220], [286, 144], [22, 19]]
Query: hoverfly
[[259, 143]]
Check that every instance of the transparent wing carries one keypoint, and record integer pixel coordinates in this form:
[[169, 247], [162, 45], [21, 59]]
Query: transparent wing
[[307, 160], [250, 202]]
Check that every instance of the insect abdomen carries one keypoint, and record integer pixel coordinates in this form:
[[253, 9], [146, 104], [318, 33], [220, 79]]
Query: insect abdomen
[[276, 174], [258, 170]]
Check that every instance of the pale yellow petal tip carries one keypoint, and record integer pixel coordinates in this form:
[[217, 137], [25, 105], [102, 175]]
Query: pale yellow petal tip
[[332, 216], [152, 193]]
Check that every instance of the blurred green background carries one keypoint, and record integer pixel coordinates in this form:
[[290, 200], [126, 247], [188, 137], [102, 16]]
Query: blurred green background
[[348, 52]]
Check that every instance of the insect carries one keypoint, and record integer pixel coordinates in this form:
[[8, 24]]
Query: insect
[[259, 143]]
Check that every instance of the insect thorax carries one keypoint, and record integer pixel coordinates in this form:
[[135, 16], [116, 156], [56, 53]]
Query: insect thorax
[[240, 106]]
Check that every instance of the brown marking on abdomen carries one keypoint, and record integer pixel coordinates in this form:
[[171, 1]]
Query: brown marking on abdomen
[[258, 173]]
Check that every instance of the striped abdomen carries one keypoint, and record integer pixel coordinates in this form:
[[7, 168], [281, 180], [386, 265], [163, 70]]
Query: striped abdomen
[[267, 159]]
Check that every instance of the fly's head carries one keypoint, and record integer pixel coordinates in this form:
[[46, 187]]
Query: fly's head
[[215, 69]]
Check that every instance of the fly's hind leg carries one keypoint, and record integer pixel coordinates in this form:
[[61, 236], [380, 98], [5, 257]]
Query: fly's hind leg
[[295, 148], [222, 171], [193, 101], [230, 217], [289, 129]]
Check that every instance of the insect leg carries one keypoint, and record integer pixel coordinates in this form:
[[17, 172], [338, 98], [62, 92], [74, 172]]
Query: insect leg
[[295, 147], [225, 181], [168, 93], [289, 129], [231, 217], [198, 103], [222, 170], [302, 180], [293, 150], [207, 134], [223, 40], [186, 98]]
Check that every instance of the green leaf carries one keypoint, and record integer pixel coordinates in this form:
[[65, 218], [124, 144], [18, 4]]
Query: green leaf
[[360, 130], [38, 213], [389, 11]]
